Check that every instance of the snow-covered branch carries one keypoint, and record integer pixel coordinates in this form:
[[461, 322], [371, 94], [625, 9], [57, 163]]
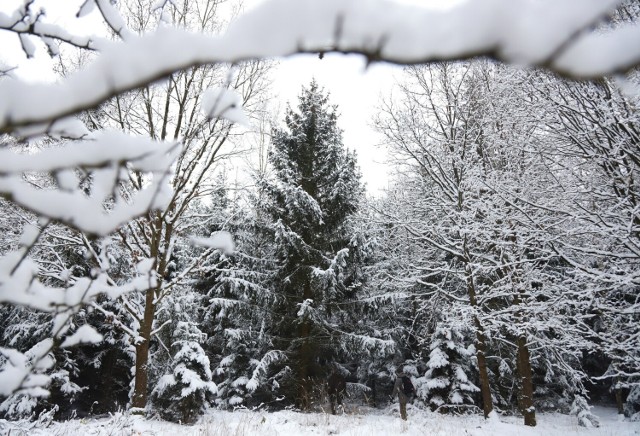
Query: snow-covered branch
[[105, 157], [548, 33]]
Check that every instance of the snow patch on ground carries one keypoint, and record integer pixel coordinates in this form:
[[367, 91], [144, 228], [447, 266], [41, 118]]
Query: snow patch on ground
[[356, 422]]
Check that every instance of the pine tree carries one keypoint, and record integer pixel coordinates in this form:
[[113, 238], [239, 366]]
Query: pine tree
[[446, 386], [182, 395], [235, 305], [315, 190]]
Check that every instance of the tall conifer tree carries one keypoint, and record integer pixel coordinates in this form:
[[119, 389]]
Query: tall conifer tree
[[315, 190]]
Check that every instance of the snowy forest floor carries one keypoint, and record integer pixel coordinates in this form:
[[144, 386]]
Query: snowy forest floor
[[360, 421]]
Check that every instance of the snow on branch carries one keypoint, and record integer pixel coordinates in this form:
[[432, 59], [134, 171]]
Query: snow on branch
[[106, 156], [84, 335], [267, 360], [551, 33], [224, 103], [225, 303], [28, 24], [222, 241], [369, 344], [19, 285], [112, 18], [19, 372]]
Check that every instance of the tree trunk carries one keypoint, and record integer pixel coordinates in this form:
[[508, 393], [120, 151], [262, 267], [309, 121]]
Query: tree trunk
[[304, 368], [619, 399], [526, 382], [305, 358], [481, 348], [139, 399], [107, 395], [483, 373], [160, 235]]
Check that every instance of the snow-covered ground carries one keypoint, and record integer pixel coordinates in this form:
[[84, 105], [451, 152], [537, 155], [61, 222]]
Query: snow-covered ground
[[357, 422]]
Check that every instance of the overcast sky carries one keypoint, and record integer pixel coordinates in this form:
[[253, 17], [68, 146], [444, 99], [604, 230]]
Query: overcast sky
[[356, 91], [354, 88]]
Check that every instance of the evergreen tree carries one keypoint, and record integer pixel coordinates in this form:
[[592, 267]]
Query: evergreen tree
[[632, 404], [315, 190], [446, 386], [182, 395], [235, 305]]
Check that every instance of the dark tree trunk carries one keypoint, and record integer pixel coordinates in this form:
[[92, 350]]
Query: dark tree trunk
[[139, 399], [304, 372], [481, 348], [619, 401], [526, 382], [371, 383], [161, 234], [483, 373], [305, 358]]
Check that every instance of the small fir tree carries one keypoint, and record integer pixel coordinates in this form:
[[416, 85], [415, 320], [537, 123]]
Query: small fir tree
[[446, 386], [183, 395], [581, 408]]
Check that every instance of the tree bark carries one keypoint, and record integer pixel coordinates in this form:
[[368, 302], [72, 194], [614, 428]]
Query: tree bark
[[526, 382], [140, 394], [304, 368], [139, 399], [483, 373], [481, 348]]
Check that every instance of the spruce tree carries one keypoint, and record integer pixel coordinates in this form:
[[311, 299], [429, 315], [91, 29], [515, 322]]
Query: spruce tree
[[314, 191], [446, 386], [184, 393], [235, 305]]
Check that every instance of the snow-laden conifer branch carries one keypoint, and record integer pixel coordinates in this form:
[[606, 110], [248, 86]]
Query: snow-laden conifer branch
[[261, 368], [369, 344]]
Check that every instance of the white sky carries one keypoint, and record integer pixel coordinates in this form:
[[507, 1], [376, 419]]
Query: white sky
[[354, 88]]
